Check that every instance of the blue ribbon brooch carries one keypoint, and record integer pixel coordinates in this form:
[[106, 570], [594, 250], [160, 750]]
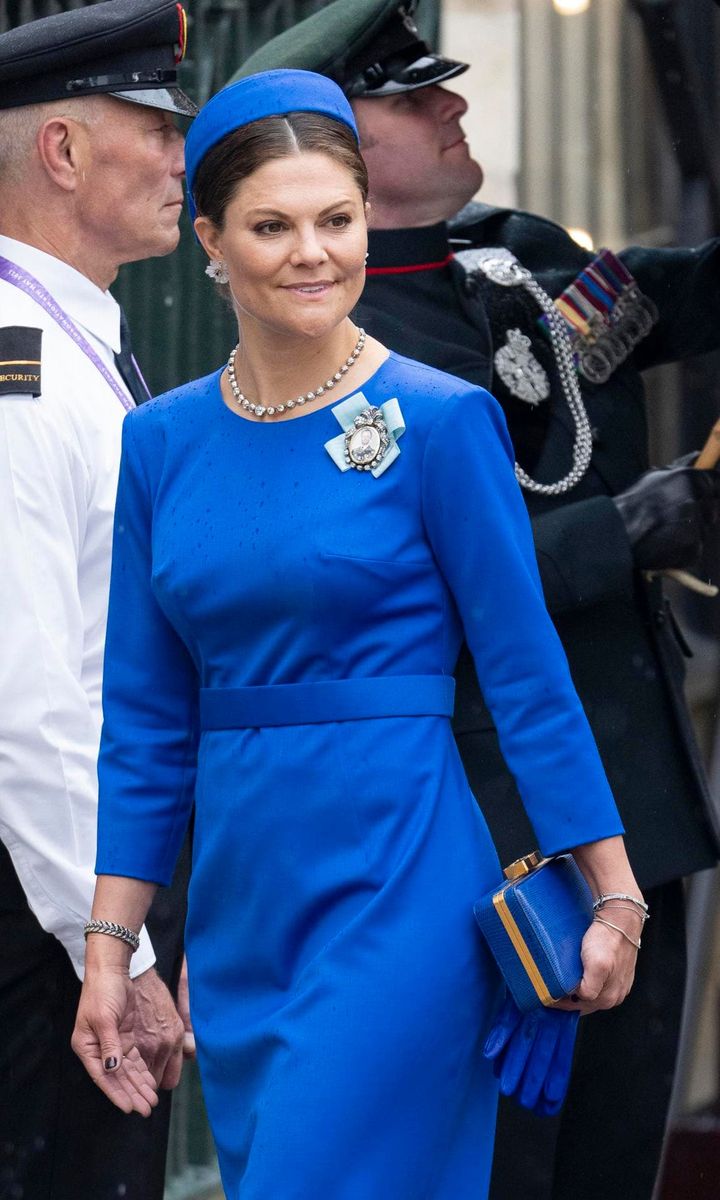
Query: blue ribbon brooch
[[370, 435]]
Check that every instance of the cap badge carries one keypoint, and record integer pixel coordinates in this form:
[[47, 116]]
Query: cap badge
[[407, 20]]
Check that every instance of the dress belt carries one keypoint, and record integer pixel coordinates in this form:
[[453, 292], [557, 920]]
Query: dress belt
[[327, 700]]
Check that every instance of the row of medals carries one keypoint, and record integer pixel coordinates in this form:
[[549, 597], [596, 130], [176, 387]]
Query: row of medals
[[613, 338], [609, 334]]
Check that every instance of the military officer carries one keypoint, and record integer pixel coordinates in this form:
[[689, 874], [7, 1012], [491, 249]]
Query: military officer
[[91, 169], [507, 300]]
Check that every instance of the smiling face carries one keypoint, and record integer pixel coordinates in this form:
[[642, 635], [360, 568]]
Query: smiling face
[[418, 161], [294, 237]]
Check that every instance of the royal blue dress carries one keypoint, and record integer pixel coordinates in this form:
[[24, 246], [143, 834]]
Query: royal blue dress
[[306, 620]]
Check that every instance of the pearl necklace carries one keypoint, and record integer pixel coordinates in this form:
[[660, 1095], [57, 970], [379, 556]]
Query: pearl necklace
[[261, 410]]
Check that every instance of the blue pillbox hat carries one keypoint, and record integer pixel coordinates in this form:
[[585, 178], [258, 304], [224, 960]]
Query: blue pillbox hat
[[269, 94]]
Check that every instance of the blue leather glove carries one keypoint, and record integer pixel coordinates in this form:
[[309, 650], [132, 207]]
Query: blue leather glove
[[532, 1055]]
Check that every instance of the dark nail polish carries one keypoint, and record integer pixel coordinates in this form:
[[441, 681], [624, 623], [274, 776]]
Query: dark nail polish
[[110, 1063]]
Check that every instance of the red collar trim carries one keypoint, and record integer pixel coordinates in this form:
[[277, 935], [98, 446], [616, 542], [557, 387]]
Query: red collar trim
[[429, 266]]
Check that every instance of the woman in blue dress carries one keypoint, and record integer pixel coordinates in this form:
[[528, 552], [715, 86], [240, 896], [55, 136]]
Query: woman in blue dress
[[302, 541]]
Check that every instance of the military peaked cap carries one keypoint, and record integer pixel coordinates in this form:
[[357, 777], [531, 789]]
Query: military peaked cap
[[127, 48], [369, 47]]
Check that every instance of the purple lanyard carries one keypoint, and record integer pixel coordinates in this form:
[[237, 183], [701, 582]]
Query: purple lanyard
[[12, 274]]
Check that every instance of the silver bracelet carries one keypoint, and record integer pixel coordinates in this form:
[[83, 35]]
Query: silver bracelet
[[642, 916], [620, 896], [602, 921], [114, 930]]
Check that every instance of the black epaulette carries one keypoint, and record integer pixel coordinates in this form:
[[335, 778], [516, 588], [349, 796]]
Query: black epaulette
[[20, 360]]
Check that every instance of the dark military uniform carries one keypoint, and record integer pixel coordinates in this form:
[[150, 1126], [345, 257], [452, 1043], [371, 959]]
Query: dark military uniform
[[624, 649]]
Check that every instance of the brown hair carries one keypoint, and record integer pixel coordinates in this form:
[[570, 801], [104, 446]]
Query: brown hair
[[241, 152]]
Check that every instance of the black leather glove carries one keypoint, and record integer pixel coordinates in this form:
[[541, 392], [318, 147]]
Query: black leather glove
[[667, 512]]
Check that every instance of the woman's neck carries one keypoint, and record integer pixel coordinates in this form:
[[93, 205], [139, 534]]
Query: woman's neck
[[271, 368]]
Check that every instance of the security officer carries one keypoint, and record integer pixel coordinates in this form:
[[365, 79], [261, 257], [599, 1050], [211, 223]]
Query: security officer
[[91, 171], [507, 300]]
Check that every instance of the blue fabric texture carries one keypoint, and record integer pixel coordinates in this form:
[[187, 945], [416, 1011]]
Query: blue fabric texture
[[268, 94], [340, 988]]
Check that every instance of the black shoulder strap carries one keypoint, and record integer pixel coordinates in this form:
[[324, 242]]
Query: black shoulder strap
[[20, 360]]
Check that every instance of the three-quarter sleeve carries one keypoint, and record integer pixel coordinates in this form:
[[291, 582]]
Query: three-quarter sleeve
[[480, 534], [148, 747]]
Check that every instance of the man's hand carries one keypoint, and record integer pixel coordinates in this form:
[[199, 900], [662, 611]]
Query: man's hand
[[183, 1005], [667, 513], [158, 1029]]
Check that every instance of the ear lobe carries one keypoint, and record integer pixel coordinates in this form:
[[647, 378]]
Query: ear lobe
[[59, 153]]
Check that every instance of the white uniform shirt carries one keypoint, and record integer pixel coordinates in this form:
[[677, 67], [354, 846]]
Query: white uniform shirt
[[59, 459]]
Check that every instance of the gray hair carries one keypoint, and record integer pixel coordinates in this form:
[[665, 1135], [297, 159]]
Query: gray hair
[[19, 128]]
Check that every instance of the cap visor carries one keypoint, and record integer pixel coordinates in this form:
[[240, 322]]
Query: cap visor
[[423, 72], [171, 99]]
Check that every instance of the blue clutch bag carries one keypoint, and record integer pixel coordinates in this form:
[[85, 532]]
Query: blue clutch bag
[[534, 925]]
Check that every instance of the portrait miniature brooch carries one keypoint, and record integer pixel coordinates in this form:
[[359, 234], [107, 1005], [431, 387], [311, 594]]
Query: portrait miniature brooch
[[370, 434]]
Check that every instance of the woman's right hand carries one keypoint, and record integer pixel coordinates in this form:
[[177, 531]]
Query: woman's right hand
[[104, 1040], [610, 946], [608, 960]]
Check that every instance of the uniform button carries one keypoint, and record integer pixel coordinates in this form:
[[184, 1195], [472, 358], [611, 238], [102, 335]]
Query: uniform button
[[595, 435], [660, 618]]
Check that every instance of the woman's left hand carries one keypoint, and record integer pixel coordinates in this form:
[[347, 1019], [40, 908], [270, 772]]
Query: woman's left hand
[[104, 1040], [608, 960]]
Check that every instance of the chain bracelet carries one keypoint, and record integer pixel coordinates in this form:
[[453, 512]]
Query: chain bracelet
[[601, 921], [112, 929], [640, 905]]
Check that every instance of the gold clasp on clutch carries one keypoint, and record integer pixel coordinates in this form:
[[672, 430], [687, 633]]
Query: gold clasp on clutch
[[523, 866]]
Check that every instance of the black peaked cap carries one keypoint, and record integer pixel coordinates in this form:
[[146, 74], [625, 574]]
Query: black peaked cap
[[127, 48]]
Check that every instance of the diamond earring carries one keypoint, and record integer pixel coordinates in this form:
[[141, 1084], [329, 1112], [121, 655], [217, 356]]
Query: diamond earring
[[217, 270]]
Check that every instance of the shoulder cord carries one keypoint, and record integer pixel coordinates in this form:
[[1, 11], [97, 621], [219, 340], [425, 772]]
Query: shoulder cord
[[500, 266]]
